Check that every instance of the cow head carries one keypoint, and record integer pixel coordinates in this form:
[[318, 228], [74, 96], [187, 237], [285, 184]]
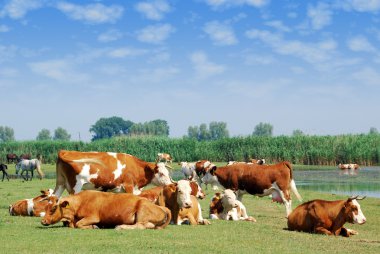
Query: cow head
[[55, 211], [353, 211], [184, 194], [196, 190], [229, 200], [161, 175]]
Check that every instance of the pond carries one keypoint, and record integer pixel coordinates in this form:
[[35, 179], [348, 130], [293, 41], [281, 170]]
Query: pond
[[364, 182]]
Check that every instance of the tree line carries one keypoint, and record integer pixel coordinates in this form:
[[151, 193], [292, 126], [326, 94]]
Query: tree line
[[115, 126]]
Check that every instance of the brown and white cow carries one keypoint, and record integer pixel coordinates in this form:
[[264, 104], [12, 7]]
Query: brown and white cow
[[31, 207], [164, 157], [252, 161], [201, 167], [93, 209], [348, 166], [225, 206], [116, 172], [259, 180], [183, 205], [327, 217], [153, 193]]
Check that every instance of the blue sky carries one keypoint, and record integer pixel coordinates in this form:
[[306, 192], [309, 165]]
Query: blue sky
[[308, 65]]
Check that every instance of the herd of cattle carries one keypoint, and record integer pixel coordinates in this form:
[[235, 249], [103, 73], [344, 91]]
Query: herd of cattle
[[106, 190]]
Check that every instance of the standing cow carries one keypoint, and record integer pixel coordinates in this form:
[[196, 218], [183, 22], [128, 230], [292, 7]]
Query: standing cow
[[116, 172], [327, 217], [259, 180], [164, 157]]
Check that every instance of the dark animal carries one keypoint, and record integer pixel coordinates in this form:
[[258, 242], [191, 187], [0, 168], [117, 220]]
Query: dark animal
[[327, 217], [11, 157], [25, 156], [4, 168]]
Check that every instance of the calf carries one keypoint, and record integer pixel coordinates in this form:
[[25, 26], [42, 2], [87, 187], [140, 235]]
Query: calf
[[4, 168], [153, 194], [31, 207], [225, 206], [327, 217], [260, 180], [165, 157], [93, 209], [183, 205]]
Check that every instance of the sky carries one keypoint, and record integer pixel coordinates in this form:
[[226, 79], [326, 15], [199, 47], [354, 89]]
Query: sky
[[307, 65]]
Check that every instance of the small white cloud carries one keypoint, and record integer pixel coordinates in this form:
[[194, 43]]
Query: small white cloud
[[92, 13], [125, 52], [110, 35], [154, 10], [232, 3], [155, 34], [360, 5], [360, 43], [277, 24], [60, 70], [220, 34], [4, 29], [203, 67], [319, 15], [17, 9]]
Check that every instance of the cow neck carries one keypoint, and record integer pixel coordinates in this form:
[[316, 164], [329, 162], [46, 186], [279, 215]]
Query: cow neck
[[340, 217]]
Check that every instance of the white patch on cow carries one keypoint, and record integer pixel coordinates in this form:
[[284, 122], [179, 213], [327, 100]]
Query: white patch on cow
[[136, 190], [51, 191], [117, 172], [214, 217], [358, 218], [112, 154], [42, 214], [30, 206], [161, 178], [183, 194], [200, 217], [206, 164], [83, 178]]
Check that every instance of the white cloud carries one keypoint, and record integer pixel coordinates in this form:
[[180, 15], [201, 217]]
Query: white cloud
[[319, 15], [360, 43], [220, 33], [277, 24], [313, 53], [92, 13], [231, 3], [360, 5], [203, 67], [154, 10], [60, 70], [110, 35], [155, 34], [125, 52], [367, 76], [4, 29], [17, 9]]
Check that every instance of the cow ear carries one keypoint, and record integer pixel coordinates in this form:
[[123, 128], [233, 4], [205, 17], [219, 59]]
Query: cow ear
[[65, 204], [212, 170], [45, 192]]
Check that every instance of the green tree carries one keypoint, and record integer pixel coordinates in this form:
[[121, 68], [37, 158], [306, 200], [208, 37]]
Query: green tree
[[153, 128], [109, 127], [373, 131], [204, 133], [6, 134], [193, 132], [218, 130], [263, 129], [298, 132], [44, 134], [61, 134]]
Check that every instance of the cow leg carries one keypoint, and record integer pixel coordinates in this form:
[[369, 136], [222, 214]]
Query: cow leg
[[200, 217], [147, 225], [322, 230], [87, 223], [192, 220]]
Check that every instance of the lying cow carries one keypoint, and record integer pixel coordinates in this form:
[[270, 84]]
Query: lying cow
[[116, 172], [153, 193], [260, 180], [252, 161], [31, 207], [348, 166], [225, 206], [164, 157], [93, 209], [327, 217], [183, 205]]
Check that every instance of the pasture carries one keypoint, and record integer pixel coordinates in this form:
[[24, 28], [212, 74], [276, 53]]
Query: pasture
[[267, 235]]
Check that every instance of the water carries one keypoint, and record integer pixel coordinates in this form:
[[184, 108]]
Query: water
[[364, 182]]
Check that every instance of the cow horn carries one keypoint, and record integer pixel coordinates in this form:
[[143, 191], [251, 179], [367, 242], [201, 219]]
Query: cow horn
[[166, 165], [361, 198], [353, 197]]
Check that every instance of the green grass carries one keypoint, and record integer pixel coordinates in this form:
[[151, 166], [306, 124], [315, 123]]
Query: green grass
[[268, 235]]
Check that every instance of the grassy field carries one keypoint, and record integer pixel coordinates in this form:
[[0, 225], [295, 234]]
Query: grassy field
[[268, 235]]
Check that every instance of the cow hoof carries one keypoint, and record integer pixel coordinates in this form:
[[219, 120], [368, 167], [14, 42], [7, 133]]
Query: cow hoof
[[95, 227], [352, 232], [205, 222], [251, 219]]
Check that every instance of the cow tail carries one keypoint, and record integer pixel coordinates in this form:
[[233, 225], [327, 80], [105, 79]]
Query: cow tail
[[168, 217], [292, 182]]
